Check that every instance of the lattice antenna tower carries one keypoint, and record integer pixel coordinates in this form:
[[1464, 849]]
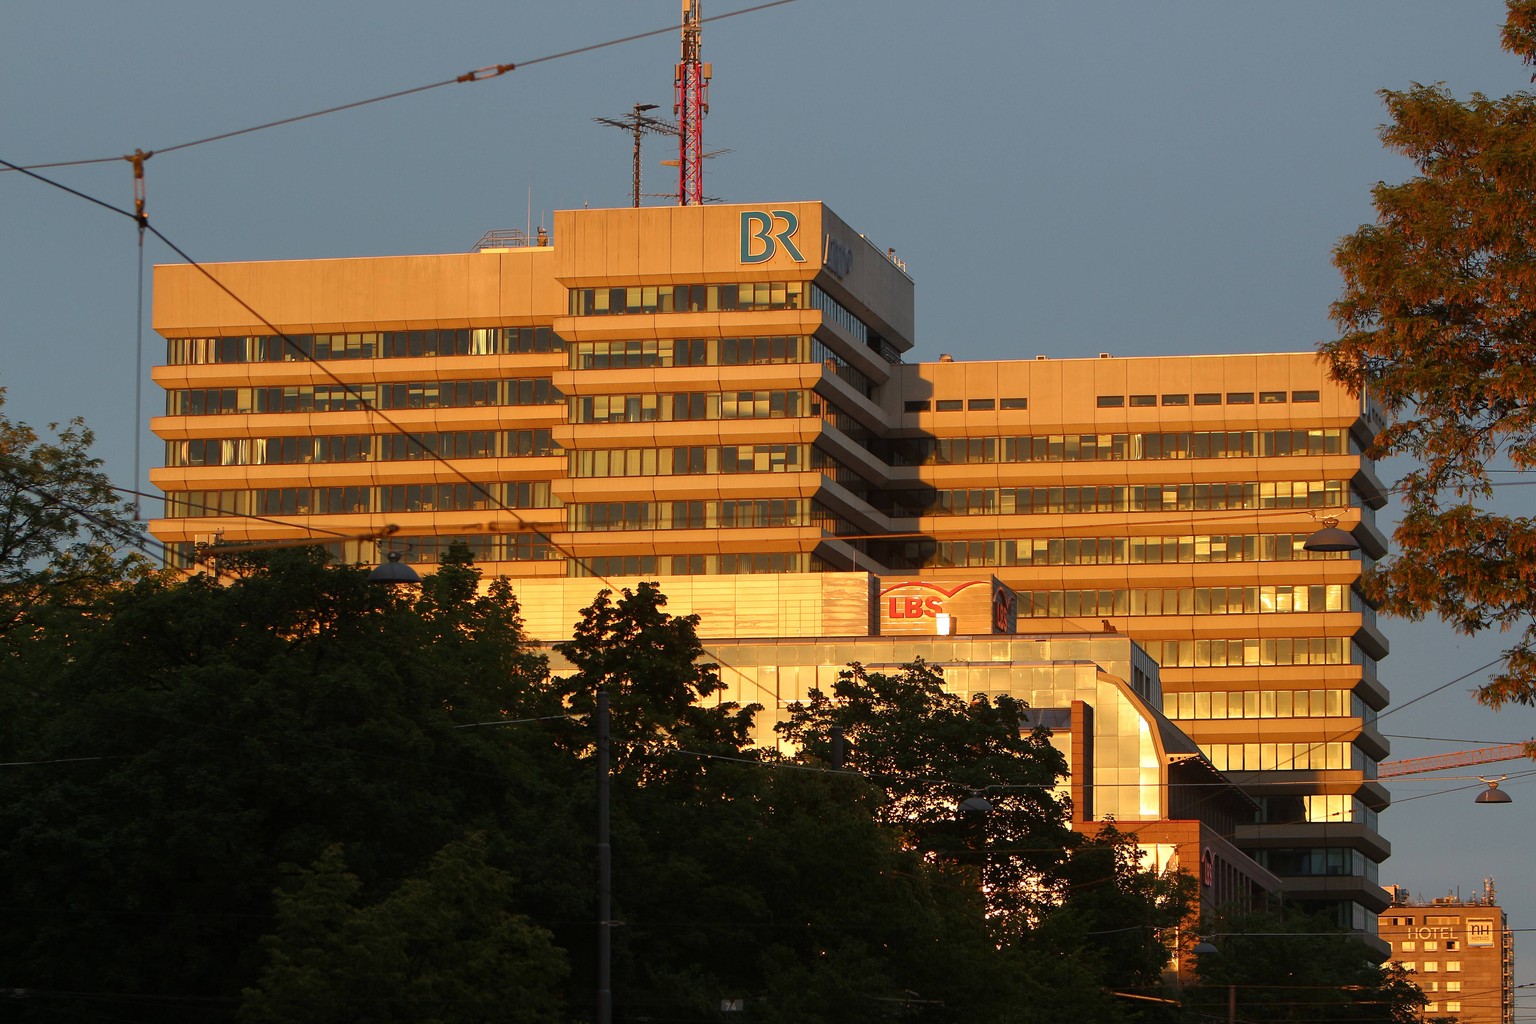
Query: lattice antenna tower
[[639, 123], [689, 107]]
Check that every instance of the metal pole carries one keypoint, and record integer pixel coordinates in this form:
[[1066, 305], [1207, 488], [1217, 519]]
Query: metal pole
[[604, 872], [635, 192], [1231, 1004]]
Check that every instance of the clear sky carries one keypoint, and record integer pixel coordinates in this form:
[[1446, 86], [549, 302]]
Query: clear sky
[[1135, 177]]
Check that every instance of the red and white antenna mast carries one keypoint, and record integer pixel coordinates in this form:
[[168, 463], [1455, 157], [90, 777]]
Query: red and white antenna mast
[[692, 85]]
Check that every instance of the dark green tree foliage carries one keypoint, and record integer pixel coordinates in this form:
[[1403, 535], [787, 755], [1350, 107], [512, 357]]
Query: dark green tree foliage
[[1287, 966], [1076, 917], [443, 947], [306, 798], [1117, 915], [663, 695], [61, 522], [228, 730], [928, 750], [1438, 321]]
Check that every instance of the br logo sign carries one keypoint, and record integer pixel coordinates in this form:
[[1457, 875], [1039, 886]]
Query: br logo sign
[[763, 232]]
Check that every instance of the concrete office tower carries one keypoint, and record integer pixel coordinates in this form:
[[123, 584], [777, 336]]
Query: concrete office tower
[[1461, 953], [716, 396]]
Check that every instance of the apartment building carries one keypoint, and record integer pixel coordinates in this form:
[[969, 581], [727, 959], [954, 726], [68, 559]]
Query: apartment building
[[712, 396]]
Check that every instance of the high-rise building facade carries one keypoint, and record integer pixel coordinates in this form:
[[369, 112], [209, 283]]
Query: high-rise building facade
[[1460, 952], [700, 394]]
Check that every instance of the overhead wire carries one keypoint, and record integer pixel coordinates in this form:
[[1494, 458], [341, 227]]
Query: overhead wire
[[478, 75]]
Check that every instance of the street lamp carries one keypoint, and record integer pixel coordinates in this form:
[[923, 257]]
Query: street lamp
[[1331, 538], [1493, 794], [394, 571]]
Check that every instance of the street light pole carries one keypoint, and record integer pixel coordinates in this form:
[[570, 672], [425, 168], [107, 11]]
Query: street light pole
[[604, 872]]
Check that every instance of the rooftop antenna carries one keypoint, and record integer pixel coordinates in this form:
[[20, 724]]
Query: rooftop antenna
[[638, 122], [690, 106]]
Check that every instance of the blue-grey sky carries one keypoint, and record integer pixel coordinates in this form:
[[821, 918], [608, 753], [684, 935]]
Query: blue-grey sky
[[1129, 176]]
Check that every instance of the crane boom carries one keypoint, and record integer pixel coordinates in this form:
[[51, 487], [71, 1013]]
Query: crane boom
[[1455, 759]]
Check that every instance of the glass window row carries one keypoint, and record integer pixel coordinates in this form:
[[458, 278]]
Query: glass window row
[[1224, 704], [756, 351], [696, 565], [1258, 600], [698, 460], [688, 298], [272, 348], [1284, 757], [1207, 398], [288, 451], [701, 515], [835, 312], [291, 501], [694, 405], [1197, 444], [1317, 862], [1221, 653], [1141, 498], [417, 550], [1291, 809], [445, 394], [1156, 550], [957, 404]]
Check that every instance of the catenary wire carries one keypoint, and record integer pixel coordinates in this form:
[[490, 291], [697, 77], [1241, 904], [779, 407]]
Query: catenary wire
[[477, 75]]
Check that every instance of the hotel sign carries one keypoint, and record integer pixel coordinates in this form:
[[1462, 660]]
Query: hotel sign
[[1479, 931], [927, 607]]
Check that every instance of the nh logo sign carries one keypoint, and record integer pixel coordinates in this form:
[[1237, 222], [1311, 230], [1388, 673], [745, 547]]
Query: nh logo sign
[[759, 240]]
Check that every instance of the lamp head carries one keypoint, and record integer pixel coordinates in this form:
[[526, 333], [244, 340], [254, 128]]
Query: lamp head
[[394, 571]]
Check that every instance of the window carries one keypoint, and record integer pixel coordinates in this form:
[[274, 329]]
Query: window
[[1409, 965], [1431, 966], [916, 406], [1013, 403], [1111, 401], [948, 405], [1407, 945], [1453, 986], [1431, 946], [1239, 397], [1271, 397], [1454, 1006], [981, 404], [1207, 398], [1175, 399], [1453, 966], [1305, 396], [1141, 401]]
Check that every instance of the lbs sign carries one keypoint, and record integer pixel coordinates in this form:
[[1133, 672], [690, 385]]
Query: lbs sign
[[971, 606]]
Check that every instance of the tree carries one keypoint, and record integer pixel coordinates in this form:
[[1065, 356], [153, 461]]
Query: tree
[[443, 947], [201, 735], [1287, 966], [663, 695], [928, 750], [61, 522], [1076, 917], [1438, 322]]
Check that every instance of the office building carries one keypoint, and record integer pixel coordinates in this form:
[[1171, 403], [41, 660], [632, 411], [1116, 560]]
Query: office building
[[1460, 952], [715, 395]]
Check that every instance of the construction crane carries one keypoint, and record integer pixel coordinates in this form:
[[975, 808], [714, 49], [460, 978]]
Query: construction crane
[[1455, 759], [692, 103], [1461, 759]]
